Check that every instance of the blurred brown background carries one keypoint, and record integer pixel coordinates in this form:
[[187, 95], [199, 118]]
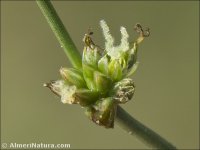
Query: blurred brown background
[[167, 80]]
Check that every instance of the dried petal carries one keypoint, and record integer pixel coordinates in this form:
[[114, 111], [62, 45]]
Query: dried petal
[[123, 90], [66, 92]]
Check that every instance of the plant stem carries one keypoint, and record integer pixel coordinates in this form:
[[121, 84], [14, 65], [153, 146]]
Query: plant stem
[[124, 120], [60, 32], [135, 128]]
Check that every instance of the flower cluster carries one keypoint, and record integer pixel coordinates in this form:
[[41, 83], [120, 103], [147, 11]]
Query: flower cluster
[[103, 82]]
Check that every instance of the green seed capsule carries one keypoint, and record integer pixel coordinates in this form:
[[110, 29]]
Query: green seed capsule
[[73, 76]]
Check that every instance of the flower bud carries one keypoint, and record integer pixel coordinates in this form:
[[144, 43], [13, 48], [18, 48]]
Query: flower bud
[[103, 64], [88, 73], [73, 76], [91, 53], [115, 70], [95, 80], [103, 83], [90, 56]]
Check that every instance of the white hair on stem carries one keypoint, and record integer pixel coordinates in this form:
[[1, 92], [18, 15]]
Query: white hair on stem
[[106, 32]]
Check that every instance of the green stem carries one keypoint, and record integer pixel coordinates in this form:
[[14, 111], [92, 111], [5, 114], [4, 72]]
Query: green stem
[[124, 120], [137, 129], [60, 32]]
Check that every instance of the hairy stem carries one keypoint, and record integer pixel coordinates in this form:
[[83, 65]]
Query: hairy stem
[[60, 32], [124, 120]]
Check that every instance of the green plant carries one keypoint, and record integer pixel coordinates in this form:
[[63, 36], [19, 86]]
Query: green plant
[[84, 84]]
